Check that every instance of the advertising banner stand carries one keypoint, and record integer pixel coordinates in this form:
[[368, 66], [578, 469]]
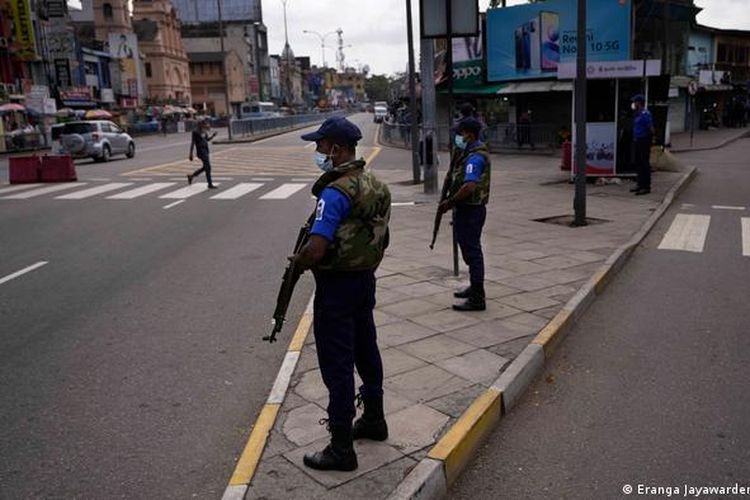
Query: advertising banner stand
[[609, 124]]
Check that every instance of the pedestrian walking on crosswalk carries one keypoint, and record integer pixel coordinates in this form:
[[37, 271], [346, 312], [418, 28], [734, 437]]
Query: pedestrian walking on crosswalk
[[200, 144]]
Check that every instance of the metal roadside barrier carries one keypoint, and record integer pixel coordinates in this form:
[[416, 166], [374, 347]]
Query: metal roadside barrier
[[256, 126]]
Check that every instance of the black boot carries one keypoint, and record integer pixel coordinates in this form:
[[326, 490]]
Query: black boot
[[371, 425], [463, 294], [339, 455], [475, 302]]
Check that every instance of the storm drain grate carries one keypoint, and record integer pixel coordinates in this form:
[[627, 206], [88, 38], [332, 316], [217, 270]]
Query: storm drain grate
[[567, 220]]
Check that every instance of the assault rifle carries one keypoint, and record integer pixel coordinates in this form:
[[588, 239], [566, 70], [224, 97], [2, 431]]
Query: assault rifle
[[288, 282], [443, 197]]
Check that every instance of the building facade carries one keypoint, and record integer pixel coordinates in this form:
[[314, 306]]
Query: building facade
[[166, 64], [208, 81]]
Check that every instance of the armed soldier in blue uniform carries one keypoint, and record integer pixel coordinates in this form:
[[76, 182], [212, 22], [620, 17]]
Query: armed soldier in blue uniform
[[468, 194], [347, 242]]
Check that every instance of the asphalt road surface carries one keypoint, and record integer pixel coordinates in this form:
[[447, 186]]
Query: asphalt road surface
[[131, 317], [649, 390]]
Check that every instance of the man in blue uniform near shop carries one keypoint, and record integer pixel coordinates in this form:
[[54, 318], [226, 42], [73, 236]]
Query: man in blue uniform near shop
[[643, 134], [347, 243], [468, 194]]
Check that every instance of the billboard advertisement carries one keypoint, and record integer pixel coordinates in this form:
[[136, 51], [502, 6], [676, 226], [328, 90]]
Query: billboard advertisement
[[124, 48], [530, 41], [468, 61], [25, 41]]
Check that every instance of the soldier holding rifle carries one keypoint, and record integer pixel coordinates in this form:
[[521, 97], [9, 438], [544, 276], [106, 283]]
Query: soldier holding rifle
[[347, 240], [467, 192]]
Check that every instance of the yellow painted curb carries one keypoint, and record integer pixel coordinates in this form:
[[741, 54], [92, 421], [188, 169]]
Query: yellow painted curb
[[457, 447], [550, 335], [298, 340], [250, 457], [600, 280]]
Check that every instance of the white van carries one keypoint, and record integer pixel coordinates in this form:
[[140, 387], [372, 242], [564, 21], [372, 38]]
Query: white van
[[258, 109], [380, 113]]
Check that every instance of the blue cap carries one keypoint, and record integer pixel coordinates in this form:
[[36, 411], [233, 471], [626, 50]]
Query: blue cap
[[470, 124], [638, 98], [338, 130]]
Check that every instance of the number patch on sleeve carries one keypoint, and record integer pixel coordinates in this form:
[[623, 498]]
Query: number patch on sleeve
[[320, 209]]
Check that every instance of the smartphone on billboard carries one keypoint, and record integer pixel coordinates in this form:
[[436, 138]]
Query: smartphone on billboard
[[550, 36], [534, 49], [520, 55]]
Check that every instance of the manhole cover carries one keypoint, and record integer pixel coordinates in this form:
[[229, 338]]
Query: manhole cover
[[567, 220]]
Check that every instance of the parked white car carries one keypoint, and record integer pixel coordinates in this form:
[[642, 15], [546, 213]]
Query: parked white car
[[381, 112], [97, 139]]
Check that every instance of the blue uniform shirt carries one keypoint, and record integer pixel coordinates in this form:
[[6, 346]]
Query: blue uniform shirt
[[474, 167], [642, 124], [333, 207]]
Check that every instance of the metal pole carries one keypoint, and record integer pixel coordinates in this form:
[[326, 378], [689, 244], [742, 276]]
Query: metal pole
[[449, 69], [412, 99], [429, 138], [226, 73], [691, 100], [259, 71], [579, 202]]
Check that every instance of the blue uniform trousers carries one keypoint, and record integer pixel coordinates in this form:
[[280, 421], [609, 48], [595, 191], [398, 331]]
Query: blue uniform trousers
[[642, 153], [469, 223], [345, 337]]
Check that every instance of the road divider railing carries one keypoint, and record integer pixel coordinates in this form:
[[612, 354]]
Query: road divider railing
[[248, 127]]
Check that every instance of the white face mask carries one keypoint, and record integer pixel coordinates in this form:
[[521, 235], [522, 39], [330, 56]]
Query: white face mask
[[633, 106], [324, 161]]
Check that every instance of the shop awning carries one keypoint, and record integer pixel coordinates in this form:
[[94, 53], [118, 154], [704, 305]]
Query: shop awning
[[536, 87], [488, 89]]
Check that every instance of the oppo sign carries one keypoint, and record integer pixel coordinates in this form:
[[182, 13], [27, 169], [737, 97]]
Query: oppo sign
[[467, 72]]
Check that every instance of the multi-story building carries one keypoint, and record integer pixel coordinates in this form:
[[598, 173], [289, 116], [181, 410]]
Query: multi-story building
[[244, 34], [208, 82], [274, 65], [166, 64]]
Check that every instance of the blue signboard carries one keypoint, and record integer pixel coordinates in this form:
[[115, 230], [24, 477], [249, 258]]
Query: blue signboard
[[529, 41]]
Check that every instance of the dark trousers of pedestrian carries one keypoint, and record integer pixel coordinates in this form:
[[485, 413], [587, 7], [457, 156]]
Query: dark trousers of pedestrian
[[345, 337], [205, 168], [469, 223], [641, 156]]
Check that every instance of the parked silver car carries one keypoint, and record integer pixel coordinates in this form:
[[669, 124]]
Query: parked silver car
[[97, 139]]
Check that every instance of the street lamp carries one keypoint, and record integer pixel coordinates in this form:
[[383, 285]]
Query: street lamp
[[226, 72], [322, 42]]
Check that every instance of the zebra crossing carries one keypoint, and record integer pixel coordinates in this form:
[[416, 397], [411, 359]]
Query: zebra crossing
[[689, 232], [269, 189]]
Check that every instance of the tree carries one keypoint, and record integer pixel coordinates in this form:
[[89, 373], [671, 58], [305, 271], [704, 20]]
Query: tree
[[378, 87]]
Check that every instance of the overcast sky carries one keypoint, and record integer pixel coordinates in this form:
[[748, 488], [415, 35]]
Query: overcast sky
[[376, 29]]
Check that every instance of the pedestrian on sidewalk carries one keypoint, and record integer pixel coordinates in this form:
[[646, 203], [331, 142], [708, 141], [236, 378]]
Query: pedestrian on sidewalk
[[643, 135], [347, 243], [468, 195], [200, 144]]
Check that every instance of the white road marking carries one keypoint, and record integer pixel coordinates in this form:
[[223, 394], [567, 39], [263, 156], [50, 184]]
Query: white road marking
[[282, 192], [144, 179], [280, 386], [87, 193], [173, 204], [303, 179], [726, 207], [165, 146], [98, 179], [746, 236], [140, 191], [403, 204], [687, 233], [223, 178], [23, 271], [235, 192], [186, 192], [312, 144], [44, 190], [688, 205], [262, 179], [18, 187]]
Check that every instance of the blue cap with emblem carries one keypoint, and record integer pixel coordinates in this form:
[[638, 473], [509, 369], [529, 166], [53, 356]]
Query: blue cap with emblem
[[338, 130], [638, 98], [469, 124]]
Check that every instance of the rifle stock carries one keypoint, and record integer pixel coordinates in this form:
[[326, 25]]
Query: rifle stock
[[292, 274], [443, 197]]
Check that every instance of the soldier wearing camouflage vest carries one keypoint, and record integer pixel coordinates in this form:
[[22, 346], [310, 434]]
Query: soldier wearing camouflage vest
[[468, 194], [347, 243]]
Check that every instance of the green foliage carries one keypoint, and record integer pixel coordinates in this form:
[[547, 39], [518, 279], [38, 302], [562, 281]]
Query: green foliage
[[378, 88]]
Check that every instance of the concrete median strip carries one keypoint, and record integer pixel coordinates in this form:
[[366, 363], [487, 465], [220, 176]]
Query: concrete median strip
[[433, 475], [256, 443]]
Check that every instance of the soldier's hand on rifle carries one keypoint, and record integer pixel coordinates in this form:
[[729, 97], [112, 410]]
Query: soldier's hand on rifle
[[445, 205]]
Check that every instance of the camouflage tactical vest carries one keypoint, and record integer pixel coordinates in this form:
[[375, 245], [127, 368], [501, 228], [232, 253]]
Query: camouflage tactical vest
[[361, 238], [481, 195]]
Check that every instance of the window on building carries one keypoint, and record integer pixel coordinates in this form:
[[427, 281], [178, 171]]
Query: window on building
[[148, 70], [107, 11], [721, 53]]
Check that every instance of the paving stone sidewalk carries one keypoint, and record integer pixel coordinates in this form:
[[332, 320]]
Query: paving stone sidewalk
[[436, 360]]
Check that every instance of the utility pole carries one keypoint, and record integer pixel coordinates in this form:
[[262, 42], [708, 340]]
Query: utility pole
[[287, 63], [226, 72], [412, 99], [579, 201], [428, 116]]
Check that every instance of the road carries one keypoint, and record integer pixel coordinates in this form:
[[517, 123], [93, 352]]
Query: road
[[131, 362], [650, 388]]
